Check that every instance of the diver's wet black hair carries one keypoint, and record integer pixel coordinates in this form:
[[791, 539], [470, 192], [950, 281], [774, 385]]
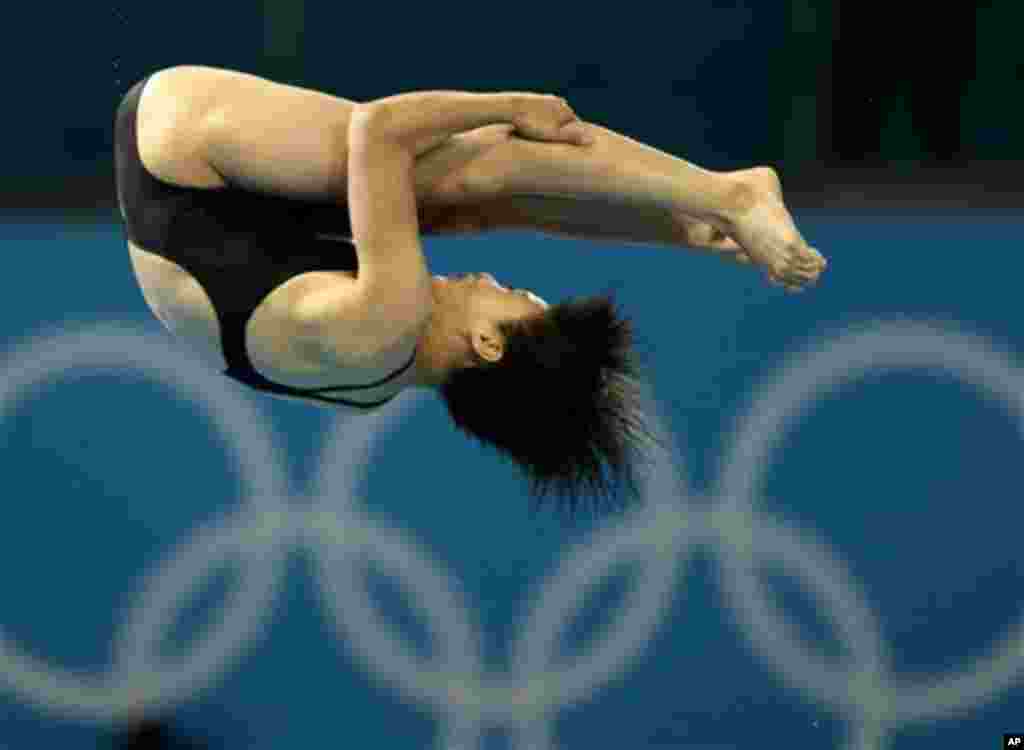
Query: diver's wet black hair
[[564, 403]]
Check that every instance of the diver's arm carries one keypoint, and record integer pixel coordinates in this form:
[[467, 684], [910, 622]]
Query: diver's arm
[[392, 294], [422, 120]]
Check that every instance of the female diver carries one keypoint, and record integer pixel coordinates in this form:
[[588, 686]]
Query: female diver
[[277, 231]]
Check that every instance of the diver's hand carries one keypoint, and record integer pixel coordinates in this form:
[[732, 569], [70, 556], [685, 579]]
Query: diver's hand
[[542, 117]]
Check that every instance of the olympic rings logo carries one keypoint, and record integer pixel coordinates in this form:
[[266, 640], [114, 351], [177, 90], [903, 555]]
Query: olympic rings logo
[[662, 535]]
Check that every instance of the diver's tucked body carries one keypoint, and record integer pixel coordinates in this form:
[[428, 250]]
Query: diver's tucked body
[[278, 231]]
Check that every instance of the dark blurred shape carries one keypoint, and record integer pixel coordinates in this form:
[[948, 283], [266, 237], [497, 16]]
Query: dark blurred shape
[[283, 27], [155, 735], [897, 81]]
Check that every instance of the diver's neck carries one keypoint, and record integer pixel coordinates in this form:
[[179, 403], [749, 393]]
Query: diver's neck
[[428, 369]]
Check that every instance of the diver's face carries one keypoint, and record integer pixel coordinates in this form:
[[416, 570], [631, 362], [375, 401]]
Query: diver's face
[[470, 308], [482, 297]]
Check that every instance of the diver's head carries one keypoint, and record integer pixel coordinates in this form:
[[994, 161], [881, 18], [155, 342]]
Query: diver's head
[[553, 388]]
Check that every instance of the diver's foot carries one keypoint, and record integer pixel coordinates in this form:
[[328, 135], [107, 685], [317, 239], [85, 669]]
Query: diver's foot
[[766, 231]]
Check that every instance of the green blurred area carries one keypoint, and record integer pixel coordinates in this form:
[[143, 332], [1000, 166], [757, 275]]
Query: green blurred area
[[859, 83]]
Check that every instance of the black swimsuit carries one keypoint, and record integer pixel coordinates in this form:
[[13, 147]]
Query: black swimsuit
[[238, 245]]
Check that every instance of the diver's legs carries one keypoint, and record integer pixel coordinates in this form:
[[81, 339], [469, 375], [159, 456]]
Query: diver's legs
[[601, 220], [491, 166]]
